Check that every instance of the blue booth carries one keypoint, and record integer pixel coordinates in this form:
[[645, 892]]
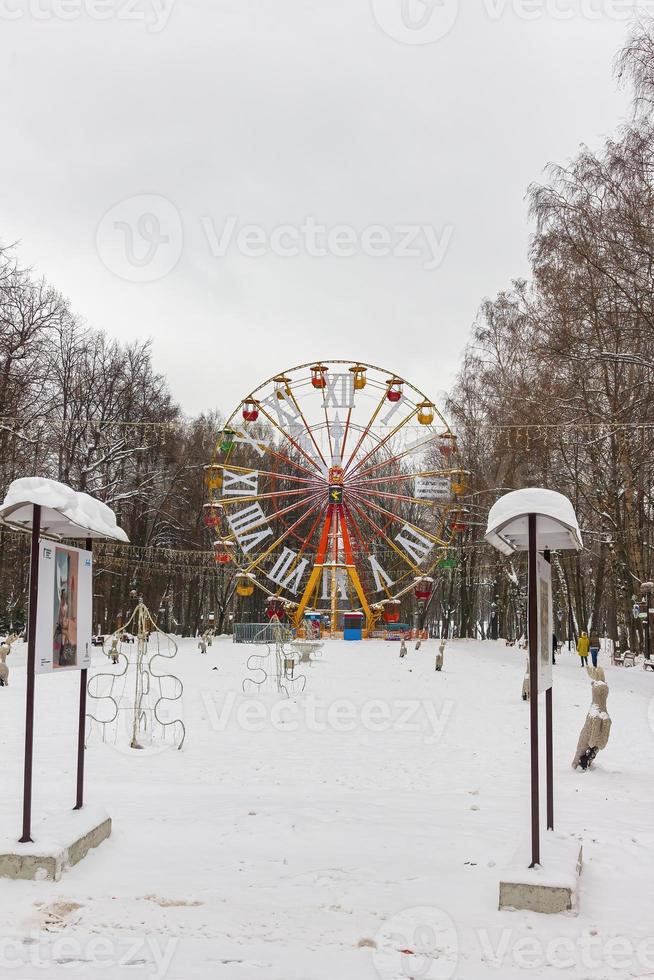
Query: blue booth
[[353, 626]]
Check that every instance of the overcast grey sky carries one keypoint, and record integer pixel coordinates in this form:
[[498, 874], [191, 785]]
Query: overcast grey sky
[[379, 149]]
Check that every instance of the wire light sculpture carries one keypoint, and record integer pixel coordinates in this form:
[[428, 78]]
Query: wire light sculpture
[[274, 672], [140, 690]]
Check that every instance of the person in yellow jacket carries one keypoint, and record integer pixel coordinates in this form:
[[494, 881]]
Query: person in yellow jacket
[[583, 646]]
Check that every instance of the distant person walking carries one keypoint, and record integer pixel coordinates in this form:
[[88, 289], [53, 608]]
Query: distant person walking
[[555, 647], [594, 642], [583, 646]]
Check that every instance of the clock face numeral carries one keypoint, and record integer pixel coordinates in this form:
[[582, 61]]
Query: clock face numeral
[[337, 431], [339, 392], [240, 484], [243, 524], [287, 571], [243, 436], [415, 545], [341, 583], [284, 409], [394, 407], [382, 578], [433, 488], [304, 442]]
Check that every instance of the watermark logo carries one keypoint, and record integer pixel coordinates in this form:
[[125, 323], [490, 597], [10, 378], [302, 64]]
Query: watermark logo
[[153, 13], [419, 942], [141, 238], [314, 239], [416, 21], [313, 714], [147, 957]]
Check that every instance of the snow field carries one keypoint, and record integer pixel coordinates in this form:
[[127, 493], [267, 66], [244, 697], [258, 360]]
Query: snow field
[[356, 832]]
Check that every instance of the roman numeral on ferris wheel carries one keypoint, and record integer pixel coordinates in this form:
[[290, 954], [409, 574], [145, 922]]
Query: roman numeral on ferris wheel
[[339, 391], [337, 431], [284, 408], [341, 583], [382, 578], [238, 484], [395, 407], [256, 444], [417, 546], [284, 573], [243, 523]]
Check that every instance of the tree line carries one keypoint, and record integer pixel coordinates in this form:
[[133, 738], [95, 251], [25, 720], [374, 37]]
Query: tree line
[[556, 388]]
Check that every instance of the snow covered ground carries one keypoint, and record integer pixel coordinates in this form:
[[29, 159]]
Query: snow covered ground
[[318, 838]]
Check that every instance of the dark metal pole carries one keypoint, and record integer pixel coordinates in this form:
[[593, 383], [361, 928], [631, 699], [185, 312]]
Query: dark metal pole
[[533, 692], [570, 623], [31, 663], [648, 597], [549, 738], [549, 742], [81, 730]]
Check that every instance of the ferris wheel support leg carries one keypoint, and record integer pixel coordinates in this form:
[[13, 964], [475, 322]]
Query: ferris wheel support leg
[[314, 578]]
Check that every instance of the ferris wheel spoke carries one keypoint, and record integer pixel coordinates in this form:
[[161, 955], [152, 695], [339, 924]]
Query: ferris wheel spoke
[[400, 498], [398, 457], [366, 430], [400, 520], [283, 458], [286, 533], [264, 519], [273, 495], [294, 443], [384, 441], [271, 474], [389, 541], [362, 483], [308, 429], [346, 432]]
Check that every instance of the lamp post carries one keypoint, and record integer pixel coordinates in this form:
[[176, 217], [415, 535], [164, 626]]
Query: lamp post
[[537, 520], [647, 590]]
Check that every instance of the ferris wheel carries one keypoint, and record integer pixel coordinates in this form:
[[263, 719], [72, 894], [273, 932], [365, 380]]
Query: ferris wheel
[[335, 488]]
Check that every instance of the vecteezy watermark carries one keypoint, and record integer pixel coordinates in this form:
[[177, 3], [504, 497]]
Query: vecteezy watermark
[[152, 956], [427, 21], [416, 21], [141, 238], [155, 14], [316, 240], [420, 942], [588, 951], [423, 943], [312, 714]]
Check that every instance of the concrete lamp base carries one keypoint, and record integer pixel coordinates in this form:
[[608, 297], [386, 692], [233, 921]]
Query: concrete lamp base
[[60, 842], [550, 888]]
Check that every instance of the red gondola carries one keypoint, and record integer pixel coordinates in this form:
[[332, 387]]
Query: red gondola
[[423, 588], [447, 444], [274, 608], [395, 389], [223, 551], [391, 612], [250, 410], [318, 379]]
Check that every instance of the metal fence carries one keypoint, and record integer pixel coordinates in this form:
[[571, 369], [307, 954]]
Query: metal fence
[[260, 632]]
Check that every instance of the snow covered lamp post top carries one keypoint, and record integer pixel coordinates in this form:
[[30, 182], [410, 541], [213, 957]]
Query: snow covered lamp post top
[[557, 526], [65, 513]]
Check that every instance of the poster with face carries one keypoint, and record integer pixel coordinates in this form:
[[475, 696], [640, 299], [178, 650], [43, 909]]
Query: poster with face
[[63, 618], [545, 624]]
